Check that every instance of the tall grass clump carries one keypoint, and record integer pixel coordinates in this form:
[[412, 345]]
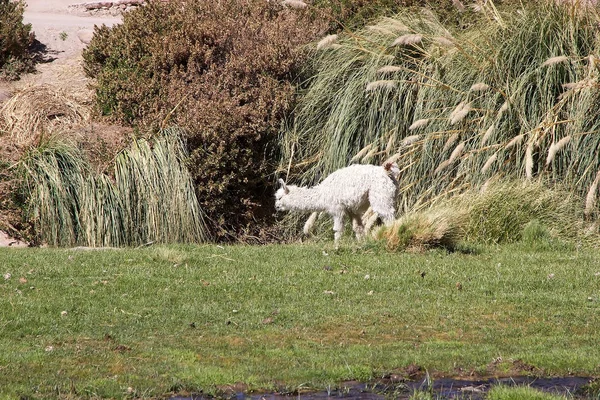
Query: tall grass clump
[[513, 96], [150, 199], [505, 212]]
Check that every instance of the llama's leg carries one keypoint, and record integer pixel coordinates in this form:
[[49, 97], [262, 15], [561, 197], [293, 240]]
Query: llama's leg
[[338, 228], [357, 226]]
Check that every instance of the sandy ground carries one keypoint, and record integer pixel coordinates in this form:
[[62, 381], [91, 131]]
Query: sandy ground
[[65, 34]]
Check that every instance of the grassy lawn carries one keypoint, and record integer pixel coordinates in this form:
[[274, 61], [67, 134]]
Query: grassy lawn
[[152, 321]]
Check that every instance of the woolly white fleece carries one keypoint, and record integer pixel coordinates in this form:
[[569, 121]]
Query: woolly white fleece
[[347, 191]]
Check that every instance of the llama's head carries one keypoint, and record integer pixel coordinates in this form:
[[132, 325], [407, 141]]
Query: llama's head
[[280, 195]]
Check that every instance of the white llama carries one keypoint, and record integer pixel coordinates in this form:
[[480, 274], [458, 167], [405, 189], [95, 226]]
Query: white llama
[[347, 191]]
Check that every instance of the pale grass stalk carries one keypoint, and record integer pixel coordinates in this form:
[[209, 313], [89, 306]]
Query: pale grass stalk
[[362, 152], [382, 84], [294, 4], [556, 147], [443, 165], [444, 41], [390, 144], [516, 140], [392, 159], [503, 108], [486, 185], [489, 163], [389, 69], [487, 135], [590, 199], [326, 42], [529, 160], [555, 60], [479, 87], [408, 39], [370, 154], [409, 140], [450, 142], [459, 5], [457, 152], [418, 124], [460, 112]]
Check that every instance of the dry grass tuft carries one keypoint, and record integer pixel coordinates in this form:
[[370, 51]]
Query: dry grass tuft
[[38, 110], [423, 230]]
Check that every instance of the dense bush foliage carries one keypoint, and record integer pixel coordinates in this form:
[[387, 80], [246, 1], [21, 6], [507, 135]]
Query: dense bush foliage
[[15, 39], [222, 71]]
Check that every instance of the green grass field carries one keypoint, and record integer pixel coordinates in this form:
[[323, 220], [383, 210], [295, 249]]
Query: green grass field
[[160, 320]]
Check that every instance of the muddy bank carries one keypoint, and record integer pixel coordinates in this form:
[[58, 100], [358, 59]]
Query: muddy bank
[[442, 388]]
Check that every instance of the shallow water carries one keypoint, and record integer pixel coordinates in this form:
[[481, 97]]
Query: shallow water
[[442, 388]]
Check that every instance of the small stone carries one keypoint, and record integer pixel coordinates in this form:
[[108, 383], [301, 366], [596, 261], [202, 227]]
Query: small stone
[[85, 35], [63, 313]]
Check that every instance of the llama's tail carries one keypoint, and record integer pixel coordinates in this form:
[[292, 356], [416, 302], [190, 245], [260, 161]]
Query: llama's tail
[[310, 223]]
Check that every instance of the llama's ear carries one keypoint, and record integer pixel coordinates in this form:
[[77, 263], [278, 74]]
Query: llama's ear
[[283, 186]]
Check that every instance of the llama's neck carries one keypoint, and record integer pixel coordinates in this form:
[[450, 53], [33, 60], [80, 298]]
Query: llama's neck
[[304, 199]]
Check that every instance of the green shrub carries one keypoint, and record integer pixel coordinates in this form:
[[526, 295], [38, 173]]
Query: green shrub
[[15, 39], [221, 70]]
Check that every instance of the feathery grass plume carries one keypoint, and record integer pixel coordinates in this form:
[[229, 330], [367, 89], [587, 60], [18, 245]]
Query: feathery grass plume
[[479, 87], [503, 109], [459, 5], [529, 160], [326, 42], [555, 60], [443, 165], [487, 135], [389, 69], [457, 152], [392, 159], [370, 154], [444, 41], [460, 112], [390, 145], [590, 199], [514, 141], [450, 142], [381, 84], [408, 39], [410, 140], [556, 147], [418, 124], [294, 4], [361, 153], [586, 82], [489, 163]]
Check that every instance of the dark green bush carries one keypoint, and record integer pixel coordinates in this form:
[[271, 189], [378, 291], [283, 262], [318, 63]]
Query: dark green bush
[[15, 40], [224, 72]]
